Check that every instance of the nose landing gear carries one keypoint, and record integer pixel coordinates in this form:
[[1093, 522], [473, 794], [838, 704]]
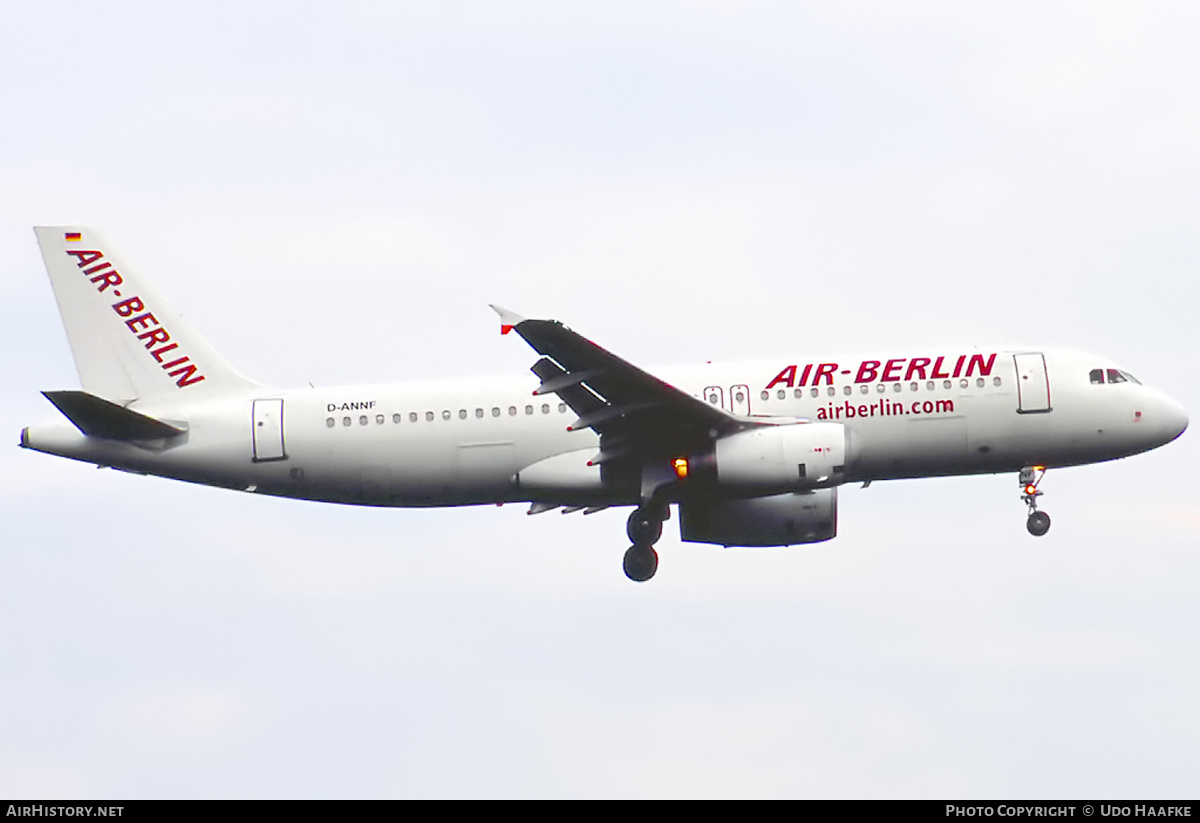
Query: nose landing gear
[[1038, 522]]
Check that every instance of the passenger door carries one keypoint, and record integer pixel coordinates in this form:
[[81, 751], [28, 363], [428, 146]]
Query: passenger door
[[1033, 383]]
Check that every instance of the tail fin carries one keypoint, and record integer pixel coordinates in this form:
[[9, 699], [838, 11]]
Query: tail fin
[[127, 341]]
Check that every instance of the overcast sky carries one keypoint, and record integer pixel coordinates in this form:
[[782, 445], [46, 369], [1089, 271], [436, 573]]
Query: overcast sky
[[334, 195]]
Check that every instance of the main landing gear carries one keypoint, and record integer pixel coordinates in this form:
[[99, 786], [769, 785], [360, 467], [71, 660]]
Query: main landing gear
[[644, 528], [1038, 522]]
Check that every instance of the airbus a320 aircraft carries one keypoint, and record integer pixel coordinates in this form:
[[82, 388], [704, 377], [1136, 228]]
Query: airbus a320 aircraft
[[749, 454]]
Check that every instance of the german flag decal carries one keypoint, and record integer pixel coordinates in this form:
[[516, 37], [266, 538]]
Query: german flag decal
[[71, 236]]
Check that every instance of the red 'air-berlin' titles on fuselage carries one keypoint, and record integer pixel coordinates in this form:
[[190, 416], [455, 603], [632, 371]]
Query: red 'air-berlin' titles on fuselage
[[894, 370], [138, 319]]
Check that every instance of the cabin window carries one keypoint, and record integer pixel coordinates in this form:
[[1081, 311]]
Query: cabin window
[[345, 421], [529, 410], [512, 411], [765, 395], [913, 386], [782, 393], [545, 408], [362, 420], [864, 388], [379, 419], [396, 418], [929, 386], [946, 384], [329, 422], [831, 391], [412, 417], [995, 381], [462, 414], [847, 390], [980, 382], [479, 413], [815, 391], [881, 388], [429, 416], [445, 414], [896, 387], [562, 408], [799, 394], [495, 411], [962, 384]]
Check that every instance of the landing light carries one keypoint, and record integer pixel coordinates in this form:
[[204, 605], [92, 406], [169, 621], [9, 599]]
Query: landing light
[[680, 465]]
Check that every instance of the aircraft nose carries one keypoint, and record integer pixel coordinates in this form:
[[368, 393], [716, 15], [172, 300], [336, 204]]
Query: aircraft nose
[[1172, 419]]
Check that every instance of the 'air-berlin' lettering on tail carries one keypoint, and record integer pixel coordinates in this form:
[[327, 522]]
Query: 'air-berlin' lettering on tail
[[138, 319]]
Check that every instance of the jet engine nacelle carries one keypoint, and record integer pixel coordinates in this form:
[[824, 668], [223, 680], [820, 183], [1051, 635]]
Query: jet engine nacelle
[[779, 520], [792, 456]]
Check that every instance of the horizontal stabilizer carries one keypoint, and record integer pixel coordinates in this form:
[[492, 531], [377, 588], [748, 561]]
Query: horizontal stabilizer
[[97, 417]]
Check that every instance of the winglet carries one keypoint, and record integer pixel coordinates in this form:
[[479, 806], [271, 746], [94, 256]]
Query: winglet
[[508, 320]]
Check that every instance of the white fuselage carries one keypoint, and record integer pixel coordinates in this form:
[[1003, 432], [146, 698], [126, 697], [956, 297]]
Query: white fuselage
[[469, 441]]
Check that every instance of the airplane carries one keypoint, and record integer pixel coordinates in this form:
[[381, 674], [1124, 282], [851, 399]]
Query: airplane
[[748, 454]]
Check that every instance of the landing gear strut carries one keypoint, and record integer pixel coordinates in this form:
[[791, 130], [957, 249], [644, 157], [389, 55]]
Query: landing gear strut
[[644, 528], [1038, 522]]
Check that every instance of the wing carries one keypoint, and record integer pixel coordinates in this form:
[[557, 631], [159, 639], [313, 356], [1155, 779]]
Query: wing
[[638, 417]]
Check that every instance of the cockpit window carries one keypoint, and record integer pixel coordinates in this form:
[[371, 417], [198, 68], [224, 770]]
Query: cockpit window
[[1114, 376]]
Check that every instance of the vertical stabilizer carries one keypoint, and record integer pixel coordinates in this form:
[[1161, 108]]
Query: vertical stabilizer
[[128, 342]]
